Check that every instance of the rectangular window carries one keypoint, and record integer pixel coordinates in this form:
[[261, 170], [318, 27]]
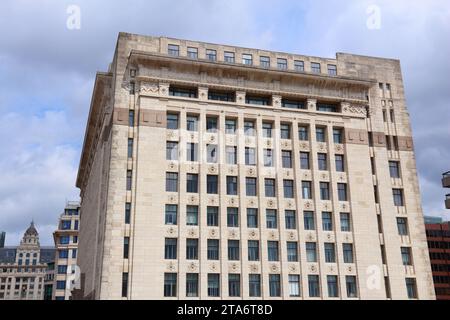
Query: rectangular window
[[232, 217], [290, 219], [272, 250], [170, 249], [213, 249], [130, 148], [288, 188], [339, 160], [345, 222], [247, 59], [294, 285], [191, 284], [311, 252], [191, 249], [126, 247], [172, 121], [292, 251], [347, 249], [230, 126], [231, 154], [306, 190], [398, 197], [330, 253], [332, 70], [324, 191], [269, 186], [282, 64], [326, 107], [411, 288], [173, 50], [320, 134], [212, 216], [293, 104], [211, 55], [183, 92], [406, 256], [286, 157], [233, 250], [213, 285], [170, 284], [249, 128], [322, 161], [192, 215], [192, 183], [394, 169], [402, 226], [234, 285], [338, 136], [228, 57], [304, 161], [131, 118], [250, 156], [268, 157], [254, 282], [171, 150], [211, 124], [191, 152], [252, 218], [171, 214], [303, 133], [212, 184], [221, 96], [313, 286], [192, 123], [271, 219], [299, 65], [267, 129], [250, 187], [274, 285], [192, 52], [315, 67], [350, 282], [332, 284], [342, 191], [264, 62], [212, 151], [124, 284], [129, 179], [285, 131], [62, 269], [232, 185], [253, 250], [132, 88], [327, 221]]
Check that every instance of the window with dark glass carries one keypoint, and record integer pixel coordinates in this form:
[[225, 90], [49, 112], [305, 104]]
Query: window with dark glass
[[247, 59], [232, 185], [191, 284], [330, 252], [192, 52], [264, 62], [406, 256], [171, 182], [173, 50], [192, 215], [183, 92], [293, 104], [338, 136], [327, 221], [228, 57], [221, 96], [191, 249], [402, 226], [129, 179], [231, 155], [322, 161], [315, 67], [281, 64], [170, 284], [230, 126], [304, 160], [332, 70], [249, 128], [306, 190], [212, 216], [269, 185], [339, 161], [394, 169], [170, 248], [250, 156], [342, 191], [250, 187], [232, 217], [124, 284], [324, 191], [126, 247], [211, 54], [274, 285], [192, 183], [308, 220], [350, 282], [213, 285], [292, 251], [313, 286], [288, 188], [327, 107], [272, 250], [252, 218], [131, 118], [171, 150], [332, 285], [233, 250], [286, 157], [411, 288], [192, 123], [303, 133], [257, 100], [212, 184], [320, 134], [130, 147], [267, 129], [171, 214], [290, 219], [299, 65], [234, 285], [294, 285], [253, 250], [285, 131], [213, 249], [192, 151], [347, 250], [398, 197], [345, 222], [268, 157], [254, 282], [271, 219], [211, 124]]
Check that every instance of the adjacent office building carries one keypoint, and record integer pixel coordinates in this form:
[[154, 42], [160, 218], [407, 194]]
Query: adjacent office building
[[446, 184], [66, 244], [218, 172], [438, 234], [2, 239], [23, 269]]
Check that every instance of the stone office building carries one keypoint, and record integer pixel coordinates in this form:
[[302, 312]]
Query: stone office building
[[219, 172]]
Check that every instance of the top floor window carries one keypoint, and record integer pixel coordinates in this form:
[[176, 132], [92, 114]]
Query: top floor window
[[332, 70], [293, 104], [326, 107], [261, 101], [192, 52], [315, 67], [183, 92], [299, 65], [211, 54], [221, 96], [264, 62], [228, 56], [172, 121], [338, 136], [282, 64], [173, 50], [247, 59]]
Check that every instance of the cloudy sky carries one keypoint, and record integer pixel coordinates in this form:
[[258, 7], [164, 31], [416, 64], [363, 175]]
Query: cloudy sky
[[47, 72]]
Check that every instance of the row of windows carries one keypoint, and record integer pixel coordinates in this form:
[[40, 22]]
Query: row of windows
[[253, 246], [290, 218], [247, 59], [438, 234], [250, 156], [439, 245], [270, 188], [212, 126]]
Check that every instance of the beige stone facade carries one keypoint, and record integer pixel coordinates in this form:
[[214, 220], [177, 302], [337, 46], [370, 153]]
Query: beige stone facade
[[338, 239]]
